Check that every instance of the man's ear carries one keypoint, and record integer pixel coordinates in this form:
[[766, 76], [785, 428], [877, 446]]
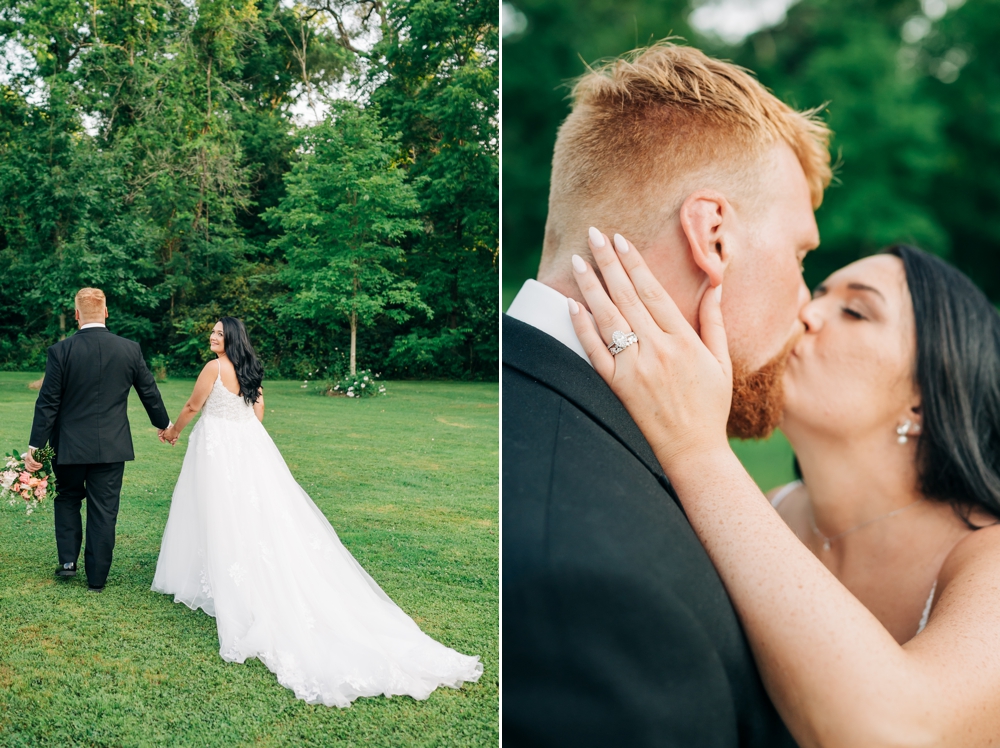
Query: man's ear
[[105, 312], [703, 216], [76, 314]]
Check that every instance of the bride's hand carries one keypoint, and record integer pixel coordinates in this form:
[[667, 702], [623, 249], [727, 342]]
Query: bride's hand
[[676, 385]]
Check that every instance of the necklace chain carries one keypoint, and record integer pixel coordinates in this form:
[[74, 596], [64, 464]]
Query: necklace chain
[[827, 541]]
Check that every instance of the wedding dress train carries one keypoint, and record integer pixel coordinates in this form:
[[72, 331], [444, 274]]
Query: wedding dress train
[[247, 545]]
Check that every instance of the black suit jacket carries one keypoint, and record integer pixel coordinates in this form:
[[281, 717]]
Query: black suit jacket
[[617, 630], [82, 408]]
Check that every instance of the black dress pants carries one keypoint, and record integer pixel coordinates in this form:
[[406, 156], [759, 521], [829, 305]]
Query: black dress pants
[[101, 484]]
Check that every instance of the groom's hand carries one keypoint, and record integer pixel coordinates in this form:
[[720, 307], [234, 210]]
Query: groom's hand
[[30, 462], [166, 435]]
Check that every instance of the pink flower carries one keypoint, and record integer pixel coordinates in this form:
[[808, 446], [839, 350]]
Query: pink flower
[[44, 483], [40, 492], [25, 476]]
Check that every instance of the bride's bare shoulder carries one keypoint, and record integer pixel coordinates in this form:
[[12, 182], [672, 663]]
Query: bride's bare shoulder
[[788, 495], [791, 503], [977, 552], [210, 369]]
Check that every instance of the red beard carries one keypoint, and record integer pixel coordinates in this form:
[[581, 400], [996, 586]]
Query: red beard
[[758, 397]]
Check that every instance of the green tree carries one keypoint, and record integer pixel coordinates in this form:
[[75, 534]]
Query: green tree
[[559, 39], [438, 63], [888, 142], [346, 212]]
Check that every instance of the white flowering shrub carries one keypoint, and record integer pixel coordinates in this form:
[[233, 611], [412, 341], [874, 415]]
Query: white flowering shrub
[[362, 384]]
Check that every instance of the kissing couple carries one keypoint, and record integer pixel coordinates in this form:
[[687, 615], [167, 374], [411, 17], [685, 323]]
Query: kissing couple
[[243, 541], [652, 594]]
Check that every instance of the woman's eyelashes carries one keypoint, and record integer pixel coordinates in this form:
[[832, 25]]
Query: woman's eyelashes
[[853, 313]]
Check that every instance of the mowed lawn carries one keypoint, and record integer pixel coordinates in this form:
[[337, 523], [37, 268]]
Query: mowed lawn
[[409, 481], [769, 461]]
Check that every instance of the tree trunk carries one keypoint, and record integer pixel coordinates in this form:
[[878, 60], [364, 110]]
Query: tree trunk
[[354, 342]]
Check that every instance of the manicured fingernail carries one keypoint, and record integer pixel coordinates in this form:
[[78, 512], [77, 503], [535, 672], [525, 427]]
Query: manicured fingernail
[[579, 265], [718, 292], [574, 308], [596, 237], [620, 244]]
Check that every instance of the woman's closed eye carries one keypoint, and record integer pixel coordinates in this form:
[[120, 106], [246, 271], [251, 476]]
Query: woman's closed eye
[[853, 313]]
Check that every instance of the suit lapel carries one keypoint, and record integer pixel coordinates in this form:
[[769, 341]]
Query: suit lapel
[[547, 361]]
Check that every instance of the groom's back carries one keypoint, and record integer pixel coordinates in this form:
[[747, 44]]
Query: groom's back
[[85, 393], [617, 629]]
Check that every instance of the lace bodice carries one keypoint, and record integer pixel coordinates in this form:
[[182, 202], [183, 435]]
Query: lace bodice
[[222, 403]]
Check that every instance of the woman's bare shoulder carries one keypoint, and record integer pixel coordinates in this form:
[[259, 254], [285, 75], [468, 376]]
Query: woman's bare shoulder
[[788, 494], [977, 552]]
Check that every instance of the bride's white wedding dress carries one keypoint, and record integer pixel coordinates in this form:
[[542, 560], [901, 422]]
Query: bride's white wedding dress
[[247, 545]]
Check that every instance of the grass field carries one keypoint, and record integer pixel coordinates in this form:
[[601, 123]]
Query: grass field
[[769, 461], [409, 481]]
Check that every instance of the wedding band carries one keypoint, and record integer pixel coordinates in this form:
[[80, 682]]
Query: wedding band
[[620, 341]]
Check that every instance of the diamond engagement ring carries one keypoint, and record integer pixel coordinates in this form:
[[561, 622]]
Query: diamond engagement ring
[[620, 341]]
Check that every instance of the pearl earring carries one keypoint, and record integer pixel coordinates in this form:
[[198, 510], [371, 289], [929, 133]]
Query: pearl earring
[[902, 431]]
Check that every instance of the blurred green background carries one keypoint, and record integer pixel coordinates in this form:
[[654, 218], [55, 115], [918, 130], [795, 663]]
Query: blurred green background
[[912, 92]]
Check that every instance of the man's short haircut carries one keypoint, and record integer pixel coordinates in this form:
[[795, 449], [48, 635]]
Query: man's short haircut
[[91, 302], [653, 125]]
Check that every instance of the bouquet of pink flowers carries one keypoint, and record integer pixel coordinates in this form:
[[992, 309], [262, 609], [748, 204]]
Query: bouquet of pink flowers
[[18, 484]]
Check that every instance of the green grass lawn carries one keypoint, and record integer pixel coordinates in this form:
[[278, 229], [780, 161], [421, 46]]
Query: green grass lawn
[[769, 461], [409, 481]]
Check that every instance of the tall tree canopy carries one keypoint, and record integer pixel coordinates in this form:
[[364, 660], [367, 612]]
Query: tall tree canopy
[[143, 142]]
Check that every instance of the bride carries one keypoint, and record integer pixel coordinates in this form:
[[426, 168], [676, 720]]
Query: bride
[[871, 597], [248, 546]]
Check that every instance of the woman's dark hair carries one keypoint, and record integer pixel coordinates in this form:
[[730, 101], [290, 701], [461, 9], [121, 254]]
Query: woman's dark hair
[[249, 372], [958, 373]]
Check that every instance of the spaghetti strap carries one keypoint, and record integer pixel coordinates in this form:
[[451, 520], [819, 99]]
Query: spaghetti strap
[[927, 608], [219, 377], [784, 491]]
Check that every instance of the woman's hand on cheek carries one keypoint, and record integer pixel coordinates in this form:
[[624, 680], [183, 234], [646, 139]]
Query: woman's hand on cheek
[[677, 386]]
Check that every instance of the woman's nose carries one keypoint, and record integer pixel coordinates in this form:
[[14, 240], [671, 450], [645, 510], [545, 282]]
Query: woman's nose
[[811, 317]]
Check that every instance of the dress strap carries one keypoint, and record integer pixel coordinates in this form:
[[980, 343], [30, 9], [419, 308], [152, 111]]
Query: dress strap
[[927, 608], [219, 378], [784, 491]]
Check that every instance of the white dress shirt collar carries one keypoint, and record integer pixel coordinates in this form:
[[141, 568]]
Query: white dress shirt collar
[[546, 309], [93, 324]]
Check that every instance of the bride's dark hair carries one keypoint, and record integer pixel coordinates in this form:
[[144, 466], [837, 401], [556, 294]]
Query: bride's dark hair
[[249, 372], [958, 373]]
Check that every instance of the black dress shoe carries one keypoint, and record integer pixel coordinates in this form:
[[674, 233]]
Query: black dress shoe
[[95, 589], [66, 570]]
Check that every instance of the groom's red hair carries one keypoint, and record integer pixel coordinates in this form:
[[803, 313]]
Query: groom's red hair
[[91, 303], [651, 127]]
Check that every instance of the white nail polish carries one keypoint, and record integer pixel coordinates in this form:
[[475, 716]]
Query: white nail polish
[[596, 237], [579, 265], [574, 308], [718, 293], [620, 244]]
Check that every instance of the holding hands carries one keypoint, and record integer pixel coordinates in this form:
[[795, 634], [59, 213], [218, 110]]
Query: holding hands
[[676, 385], [168, 435]]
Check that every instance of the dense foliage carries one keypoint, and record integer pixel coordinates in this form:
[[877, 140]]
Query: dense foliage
[[151, 148], [911, 91]]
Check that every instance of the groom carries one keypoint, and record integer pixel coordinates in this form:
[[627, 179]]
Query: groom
[[616, 627], [82, 408]]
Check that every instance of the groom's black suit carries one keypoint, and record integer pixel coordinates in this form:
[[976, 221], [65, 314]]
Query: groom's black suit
[[82, 410], [617, 630]]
